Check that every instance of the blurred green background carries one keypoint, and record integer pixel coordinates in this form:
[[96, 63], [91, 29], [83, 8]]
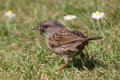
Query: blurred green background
[[25, 56]]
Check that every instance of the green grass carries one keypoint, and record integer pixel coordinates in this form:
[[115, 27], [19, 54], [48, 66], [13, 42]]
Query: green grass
[[22, 57]]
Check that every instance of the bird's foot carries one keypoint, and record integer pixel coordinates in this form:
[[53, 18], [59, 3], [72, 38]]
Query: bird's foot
[[62, 67]]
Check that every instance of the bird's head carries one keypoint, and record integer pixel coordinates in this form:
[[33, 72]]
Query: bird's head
[[48, 26]]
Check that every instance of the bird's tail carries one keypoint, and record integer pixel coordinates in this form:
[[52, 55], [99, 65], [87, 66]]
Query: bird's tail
[[95, 38]]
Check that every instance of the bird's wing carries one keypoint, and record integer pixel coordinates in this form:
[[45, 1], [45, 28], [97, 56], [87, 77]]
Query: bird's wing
[[78, 33], [64, 37]]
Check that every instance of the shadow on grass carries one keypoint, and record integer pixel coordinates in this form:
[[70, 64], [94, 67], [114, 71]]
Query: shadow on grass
[[89, 63]]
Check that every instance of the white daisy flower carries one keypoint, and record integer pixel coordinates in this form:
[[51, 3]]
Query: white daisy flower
[[70, 17], [97, 15], [10, 14]]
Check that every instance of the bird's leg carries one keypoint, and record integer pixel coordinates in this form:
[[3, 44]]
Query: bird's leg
[[82, 56], [66, 61], [54, 1]]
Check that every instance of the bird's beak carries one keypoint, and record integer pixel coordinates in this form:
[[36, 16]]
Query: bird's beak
[[35, 27]]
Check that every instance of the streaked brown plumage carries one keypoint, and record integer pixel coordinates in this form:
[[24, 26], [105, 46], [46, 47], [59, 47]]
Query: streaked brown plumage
[[62, 41]]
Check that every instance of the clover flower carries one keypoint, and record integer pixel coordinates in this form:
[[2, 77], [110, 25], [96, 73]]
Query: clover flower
[[97, 15], [70, 17], [10, 14]]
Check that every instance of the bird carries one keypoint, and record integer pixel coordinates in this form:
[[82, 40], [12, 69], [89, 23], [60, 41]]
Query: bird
[[63, 41]]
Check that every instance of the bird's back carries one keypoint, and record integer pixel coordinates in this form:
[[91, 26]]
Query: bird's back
[[66, 41]]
